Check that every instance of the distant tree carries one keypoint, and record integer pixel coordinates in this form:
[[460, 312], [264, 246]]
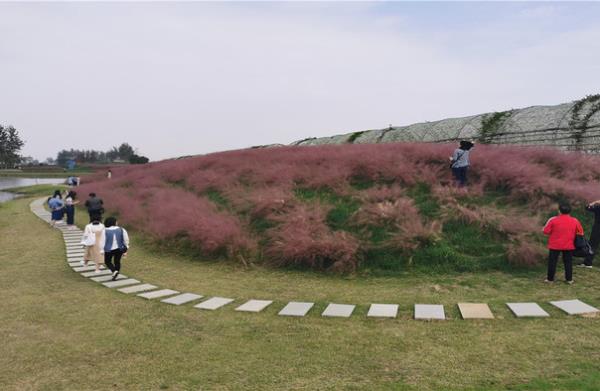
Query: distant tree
[[125, 151], [29, 161], [10, 147], [136, 159], [50, 161]]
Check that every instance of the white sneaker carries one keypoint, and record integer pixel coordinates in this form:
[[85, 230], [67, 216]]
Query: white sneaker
[[82, 263], [115, 273]]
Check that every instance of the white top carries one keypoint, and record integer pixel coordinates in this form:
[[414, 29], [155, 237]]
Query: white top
[[93, 229], [68, 201], [115, 245]]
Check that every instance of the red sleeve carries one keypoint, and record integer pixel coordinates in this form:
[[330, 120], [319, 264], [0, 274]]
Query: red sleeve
[[579, 228], [548, 226]]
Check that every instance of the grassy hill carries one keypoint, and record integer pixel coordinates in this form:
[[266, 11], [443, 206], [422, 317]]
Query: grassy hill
[[379, 208]]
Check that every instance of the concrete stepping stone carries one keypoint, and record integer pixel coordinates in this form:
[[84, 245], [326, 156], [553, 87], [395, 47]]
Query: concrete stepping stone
[[182, 299], [75, 259], [213, 303], [339, 310], [80, 269], [475, 311], [429, 312], [137, 288], [107, 278], [383, 311], [574, 307], [527, 310], [119, 283], [104, 272], [157, 294], [254, 305], [296, 308]]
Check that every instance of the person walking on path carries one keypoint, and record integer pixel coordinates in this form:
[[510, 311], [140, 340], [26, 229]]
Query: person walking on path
[[95, 207], [56, 205], [561, 231], [594, 208], [93, 240], [459, 162], [70, 202], [115, 246], [109, 174]]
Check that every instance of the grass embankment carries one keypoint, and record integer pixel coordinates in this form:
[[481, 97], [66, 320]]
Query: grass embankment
[[62, 331]]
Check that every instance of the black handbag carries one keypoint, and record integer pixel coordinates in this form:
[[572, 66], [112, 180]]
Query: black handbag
[[583, 248]]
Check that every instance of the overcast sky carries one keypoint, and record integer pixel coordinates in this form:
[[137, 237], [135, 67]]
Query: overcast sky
[[176, 79]]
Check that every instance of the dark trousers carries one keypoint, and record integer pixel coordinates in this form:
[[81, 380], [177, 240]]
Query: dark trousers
[[460, 174], [70, 210], [95, 215], [594, 242], [567, 260], [113, 255]]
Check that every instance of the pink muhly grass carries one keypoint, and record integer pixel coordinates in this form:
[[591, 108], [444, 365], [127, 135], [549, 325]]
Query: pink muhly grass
[[304, 239], [525, 253]]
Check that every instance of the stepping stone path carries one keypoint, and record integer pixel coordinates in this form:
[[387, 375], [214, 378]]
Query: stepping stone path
[[296, 308], [574, 307], [429, 312], [138, 288], [339, 310], [75, 250], [383, 311], [254, 305], [475, 311], [159, 293], [213, 303], [525, 310], [182, 299]]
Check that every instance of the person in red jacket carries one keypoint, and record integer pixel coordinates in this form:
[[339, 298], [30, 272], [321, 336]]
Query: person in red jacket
[[561, 231]]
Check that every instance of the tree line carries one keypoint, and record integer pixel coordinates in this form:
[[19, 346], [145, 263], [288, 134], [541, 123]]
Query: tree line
[[124, 152], [10, 147]]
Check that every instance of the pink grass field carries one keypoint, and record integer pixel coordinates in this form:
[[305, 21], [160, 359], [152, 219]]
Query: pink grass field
[[244, 205]]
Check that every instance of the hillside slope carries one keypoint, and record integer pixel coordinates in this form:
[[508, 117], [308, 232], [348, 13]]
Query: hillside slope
[[571, 126], [352, 207]]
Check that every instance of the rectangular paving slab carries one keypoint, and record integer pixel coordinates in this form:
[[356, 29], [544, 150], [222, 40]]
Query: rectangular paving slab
[[104, 272], [429, 312], [527, 310], [574, 307], [339, 310], [138, 288], [254, 305], [157, 294], [119, 283], [296, 308], [213, 303], [182, 299], [475, 311], [107, 278], [383, 310], [80, 269]]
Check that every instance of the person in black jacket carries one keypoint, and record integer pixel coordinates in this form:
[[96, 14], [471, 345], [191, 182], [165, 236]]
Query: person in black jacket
[[95, 207], [594, 208]]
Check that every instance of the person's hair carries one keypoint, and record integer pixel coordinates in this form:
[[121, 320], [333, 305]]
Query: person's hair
[[466, 145], [110, 222], [92, 194], [564, 208], [72, 194], [57, 194]]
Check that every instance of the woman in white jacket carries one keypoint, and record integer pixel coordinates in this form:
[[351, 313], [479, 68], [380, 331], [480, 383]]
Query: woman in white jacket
[[94, 248]]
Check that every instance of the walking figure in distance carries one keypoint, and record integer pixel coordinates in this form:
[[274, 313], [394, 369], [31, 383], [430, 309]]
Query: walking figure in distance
[[459, 162]]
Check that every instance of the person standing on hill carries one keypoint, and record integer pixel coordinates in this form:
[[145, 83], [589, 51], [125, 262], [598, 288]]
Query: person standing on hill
[[95, 207], [459, 162], [70, 202], [561, 231], [116, 245], [594, 208]]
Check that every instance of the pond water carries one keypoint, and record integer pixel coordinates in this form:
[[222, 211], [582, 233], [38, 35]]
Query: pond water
[[10, 182]]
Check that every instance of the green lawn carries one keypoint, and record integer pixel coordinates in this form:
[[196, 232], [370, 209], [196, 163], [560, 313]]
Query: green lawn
[[60, 331]]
